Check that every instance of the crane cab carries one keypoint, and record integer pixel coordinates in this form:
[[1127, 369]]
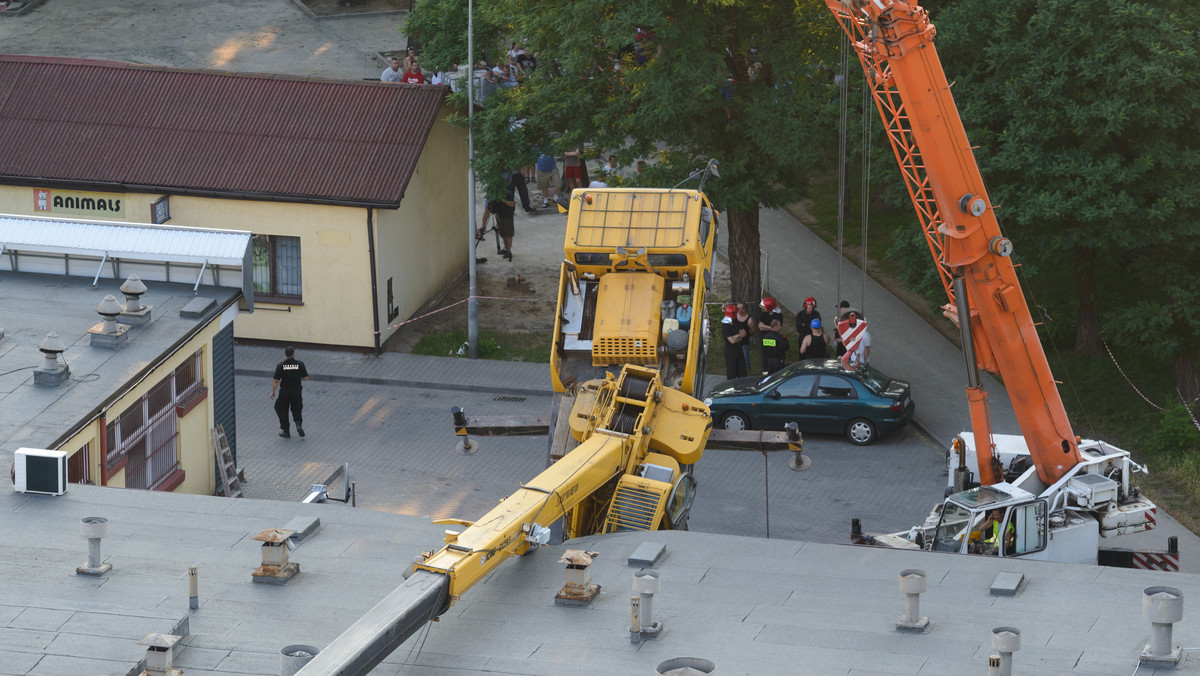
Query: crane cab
[[637, 263], [993, 520]]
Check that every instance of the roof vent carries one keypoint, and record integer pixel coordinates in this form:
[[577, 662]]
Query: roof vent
[[94, 528], [579, 590], [275, 568], [135, 313], [159, 657], [51, 373], [109, 333]]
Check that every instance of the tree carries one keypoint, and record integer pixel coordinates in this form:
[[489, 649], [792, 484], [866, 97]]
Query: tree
[[1088, 124], [690, 93]]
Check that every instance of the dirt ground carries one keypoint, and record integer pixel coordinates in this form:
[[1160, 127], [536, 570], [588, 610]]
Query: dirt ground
[[520, 295]]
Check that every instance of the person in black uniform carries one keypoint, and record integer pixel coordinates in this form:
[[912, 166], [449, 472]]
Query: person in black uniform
[[770, 328], [288, 376], [733, 332]]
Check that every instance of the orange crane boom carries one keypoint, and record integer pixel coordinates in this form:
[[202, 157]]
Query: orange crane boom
[[894, 43]]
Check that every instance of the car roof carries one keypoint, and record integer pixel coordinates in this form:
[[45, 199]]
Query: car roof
[[822, 366]]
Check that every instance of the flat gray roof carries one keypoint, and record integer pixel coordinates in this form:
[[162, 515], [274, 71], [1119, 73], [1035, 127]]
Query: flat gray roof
[[32, 305], [750, 605]]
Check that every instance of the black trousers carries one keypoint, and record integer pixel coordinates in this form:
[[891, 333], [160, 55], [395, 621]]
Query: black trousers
[[289, 399], [518, 181]]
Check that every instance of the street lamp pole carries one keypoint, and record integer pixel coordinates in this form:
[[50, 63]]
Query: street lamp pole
[[472, 303]]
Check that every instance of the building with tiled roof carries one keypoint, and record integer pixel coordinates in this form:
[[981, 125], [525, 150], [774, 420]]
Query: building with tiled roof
[[353, 189]]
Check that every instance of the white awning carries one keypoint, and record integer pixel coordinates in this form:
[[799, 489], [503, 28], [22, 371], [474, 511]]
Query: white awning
[[52, 245]]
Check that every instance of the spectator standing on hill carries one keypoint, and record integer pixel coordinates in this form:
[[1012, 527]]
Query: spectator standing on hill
[[574, 170], [611, 168], [547, 177], [393, 73], [414, 75]]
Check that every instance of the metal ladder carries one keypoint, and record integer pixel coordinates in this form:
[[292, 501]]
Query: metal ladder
[[231, 485]]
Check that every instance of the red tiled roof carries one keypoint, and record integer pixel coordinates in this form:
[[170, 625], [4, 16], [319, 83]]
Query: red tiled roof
[[106, 125]]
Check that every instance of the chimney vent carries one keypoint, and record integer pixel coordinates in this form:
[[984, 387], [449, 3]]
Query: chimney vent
[[135, 313], [275, 568], [51, 373], [109, 333], [159, 654], [579, 590]]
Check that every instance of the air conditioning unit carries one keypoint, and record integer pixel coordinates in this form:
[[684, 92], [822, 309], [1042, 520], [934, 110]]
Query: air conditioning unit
[[40, 471]]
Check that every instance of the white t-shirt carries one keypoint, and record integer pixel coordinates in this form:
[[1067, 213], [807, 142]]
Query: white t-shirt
[[860, 354]]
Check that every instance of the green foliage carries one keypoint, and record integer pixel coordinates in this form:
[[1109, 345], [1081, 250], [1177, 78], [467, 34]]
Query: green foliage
[[692, 97], [914, 266], [1088, 127], [530, 346], [1176, 432]]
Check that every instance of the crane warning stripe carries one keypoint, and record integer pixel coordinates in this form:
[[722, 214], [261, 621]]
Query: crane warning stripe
[[851, 337], [1151, 561]]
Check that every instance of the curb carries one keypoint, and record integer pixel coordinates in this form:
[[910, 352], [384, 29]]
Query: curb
[[421, 384], [27, 7], [342, 15]]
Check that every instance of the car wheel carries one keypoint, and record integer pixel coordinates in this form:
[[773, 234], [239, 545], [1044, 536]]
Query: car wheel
[[860, 431], [735, 421]]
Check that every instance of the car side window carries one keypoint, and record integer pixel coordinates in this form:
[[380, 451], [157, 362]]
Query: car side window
[[835, 387], [800, 386]]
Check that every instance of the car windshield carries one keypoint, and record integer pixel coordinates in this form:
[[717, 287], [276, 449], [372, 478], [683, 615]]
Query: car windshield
[[874, 380]]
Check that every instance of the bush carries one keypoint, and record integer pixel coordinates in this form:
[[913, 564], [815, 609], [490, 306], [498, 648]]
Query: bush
[[1176, 433]]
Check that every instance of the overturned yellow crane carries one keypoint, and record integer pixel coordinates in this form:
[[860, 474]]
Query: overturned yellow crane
[[625, 428], [624, 475]]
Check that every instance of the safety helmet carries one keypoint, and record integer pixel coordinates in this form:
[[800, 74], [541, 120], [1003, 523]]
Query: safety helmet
[[730, 310], [816, 323], [768, 304], [811, 300]]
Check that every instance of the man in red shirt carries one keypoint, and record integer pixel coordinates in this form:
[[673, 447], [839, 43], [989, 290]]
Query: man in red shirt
[[413, 75]]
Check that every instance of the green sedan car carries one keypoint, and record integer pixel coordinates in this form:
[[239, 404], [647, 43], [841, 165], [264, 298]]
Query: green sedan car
[[821, 396]]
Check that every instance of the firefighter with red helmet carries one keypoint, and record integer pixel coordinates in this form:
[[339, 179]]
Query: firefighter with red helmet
[[734, 332], [804, 319]]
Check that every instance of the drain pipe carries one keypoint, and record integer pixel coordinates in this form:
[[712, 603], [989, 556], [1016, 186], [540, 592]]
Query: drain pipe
[[1006, 641], [1163, 606]]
